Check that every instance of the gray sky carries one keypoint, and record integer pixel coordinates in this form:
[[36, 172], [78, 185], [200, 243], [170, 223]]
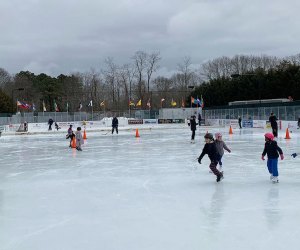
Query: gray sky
[[64, 36]]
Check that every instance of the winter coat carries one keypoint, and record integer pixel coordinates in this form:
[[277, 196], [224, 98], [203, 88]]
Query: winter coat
[[273, 121], [115, 122], [221, 145], [193, 124], [272, 150], [211, 150]]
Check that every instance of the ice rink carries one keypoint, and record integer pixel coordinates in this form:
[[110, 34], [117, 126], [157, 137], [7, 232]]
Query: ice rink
[[147, 193]]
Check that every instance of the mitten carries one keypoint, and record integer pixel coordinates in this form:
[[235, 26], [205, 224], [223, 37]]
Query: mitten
[[262, 157], [281, 157]]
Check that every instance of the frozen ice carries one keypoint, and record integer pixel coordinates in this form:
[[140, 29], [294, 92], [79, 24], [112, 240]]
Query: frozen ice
[[123, 192]]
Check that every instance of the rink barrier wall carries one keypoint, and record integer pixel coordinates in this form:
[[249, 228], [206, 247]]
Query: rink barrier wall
[[282, 125], [92, 126]]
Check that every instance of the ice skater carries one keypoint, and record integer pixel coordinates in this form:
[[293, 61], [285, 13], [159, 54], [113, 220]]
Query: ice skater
[[50, 122], [272, 150], [221, 145], [210, 149], [79, 139], [115, 124], [240, 122], [193, 126], [70, 135], [57, 127], [273, 120]]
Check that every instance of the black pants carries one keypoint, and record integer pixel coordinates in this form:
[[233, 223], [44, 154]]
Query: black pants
[[275, 131], [193, 134], [240, 124], [113, 129]]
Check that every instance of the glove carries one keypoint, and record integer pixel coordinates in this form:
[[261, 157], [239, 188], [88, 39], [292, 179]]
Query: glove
[[294, 155], [229, 151], [262, 157], [199, 160], [281, 157]]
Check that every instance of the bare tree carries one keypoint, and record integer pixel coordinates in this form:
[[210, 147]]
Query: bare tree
[[152, 66], [140, 62], [110, 76]]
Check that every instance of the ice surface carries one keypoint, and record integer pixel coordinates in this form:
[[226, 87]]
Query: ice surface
[[123, 192]]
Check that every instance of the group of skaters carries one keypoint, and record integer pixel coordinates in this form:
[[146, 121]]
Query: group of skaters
[[214, 148], [78, 136], [50, 123]]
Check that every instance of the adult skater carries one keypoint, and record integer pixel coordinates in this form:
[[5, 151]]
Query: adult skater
[[211, 150], [50, 122], [240, 122], [193, 126], [115, 124], [199, 119], [273, 121], [221, 145], [272, 150]]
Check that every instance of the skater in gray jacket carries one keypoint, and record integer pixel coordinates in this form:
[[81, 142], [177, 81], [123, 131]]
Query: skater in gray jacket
[[221, 145]]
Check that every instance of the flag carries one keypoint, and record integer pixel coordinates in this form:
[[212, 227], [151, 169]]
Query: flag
[[33, 107], [80, 106], [173, 104], [23, 105], [148, 103], [102, 103], [139, 103], [56, 107], [67, 106], [131, 103], [90, 104], [44, 107], [182, 103], [202, 102]]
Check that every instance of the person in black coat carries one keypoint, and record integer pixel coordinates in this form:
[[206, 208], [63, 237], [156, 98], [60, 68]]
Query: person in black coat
[[273, 120], [193, 126], [115, 124], [199, 119], [50, 122], [211, 150]]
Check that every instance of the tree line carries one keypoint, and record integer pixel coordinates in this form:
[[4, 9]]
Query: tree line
[[116, 86]]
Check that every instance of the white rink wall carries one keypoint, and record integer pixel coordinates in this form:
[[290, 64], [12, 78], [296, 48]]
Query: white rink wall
[[91, 126], [263, 124]]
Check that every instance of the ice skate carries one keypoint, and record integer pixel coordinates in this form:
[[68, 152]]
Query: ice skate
[[275, 179], [193, 141], [220, 177]]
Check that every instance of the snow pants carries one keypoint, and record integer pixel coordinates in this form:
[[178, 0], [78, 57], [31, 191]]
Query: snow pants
[[273, 166]]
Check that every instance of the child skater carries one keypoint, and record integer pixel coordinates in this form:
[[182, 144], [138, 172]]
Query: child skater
[[211, 150], [221, 145], [70, 135], [272, 150], [79, 139]]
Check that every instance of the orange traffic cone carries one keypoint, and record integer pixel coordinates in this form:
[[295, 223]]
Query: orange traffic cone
[[73, 144], [84, 135], [287, 134], [230, 130], [137, 133]]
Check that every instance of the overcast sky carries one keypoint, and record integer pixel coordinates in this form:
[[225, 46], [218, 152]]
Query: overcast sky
[[65, 36]]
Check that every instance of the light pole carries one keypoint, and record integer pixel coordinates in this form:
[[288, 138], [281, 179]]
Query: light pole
[[12, 96]]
